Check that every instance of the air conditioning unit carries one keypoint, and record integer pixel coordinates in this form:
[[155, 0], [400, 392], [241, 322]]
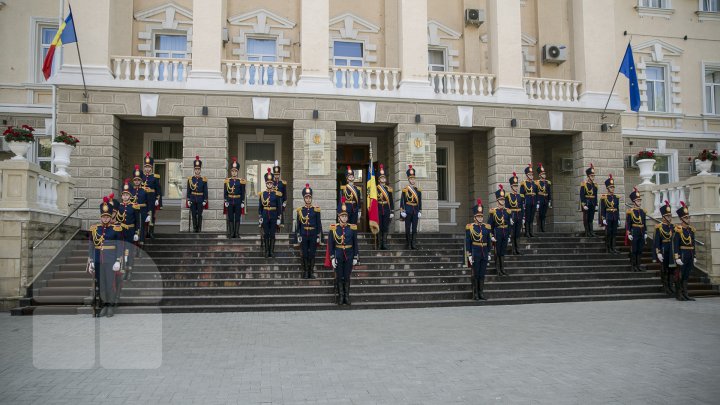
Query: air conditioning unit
[[474, 16], [566, 165], [630, 162], [554, 54]]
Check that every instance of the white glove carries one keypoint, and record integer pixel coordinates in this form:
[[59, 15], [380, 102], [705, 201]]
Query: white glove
[[537, 207], [605, 222], [277, 222], [334, 263], [299, 239], [470, 260], [630, 237], [585, 208], [419, 214], [285, 204], [92, 268], [492, 238], [523, 221], [488, 256], [550, 204], [359, 215], [660, 257], [242, 205], [227, 204], [512, 222], [392, 215], [148, 218], [354, 262], [189, 203], [260, 220], [204, 202], [157, 203], [403, 214], [317, 240], [645, 236], [116, 266], [136, 238], [678, 262], [694, 260]]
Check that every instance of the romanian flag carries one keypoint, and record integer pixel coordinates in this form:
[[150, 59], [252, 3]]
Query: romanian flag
[[372, 204], [65, 35]]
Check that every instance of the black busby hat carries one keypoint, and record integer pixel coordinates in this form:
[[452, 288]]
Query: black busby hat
[[635, 194], [514, 179], [410, 172], [540, 168], [197, 164], [478, 208], [234, 164], [382, 170], [665, 209], [590, 170], [610, 182], [106, 208], [683, 210], [528, 169], [269, 177], [307, 190], [500, 193], [148, 161], [342, 208], [126, 187], [137, 174]]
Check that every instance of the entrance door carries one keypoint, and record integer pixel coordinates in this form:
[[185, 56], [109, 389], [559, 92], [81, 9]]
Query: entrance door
[[357, 157]]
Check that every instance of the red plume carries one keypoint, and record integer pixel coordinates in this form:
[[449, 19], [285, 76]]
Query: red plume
[[409, 166], [479, 201], [668, 203], [683, 203], [514, 174], [137, 167], [197, 157], [611, 175], [500, 186], [268, 170], [381, 166], [307, 185], [111, 196], [127, 181], [106, 200], [234, 159], [530, 165], [349, 168], [147, 154], [591, 166]]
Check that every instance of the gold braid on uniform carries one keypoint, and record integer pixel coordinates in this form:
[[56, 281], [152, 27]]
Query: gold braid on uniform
[[120, 217], [686, 241], [476, 236], [497, 220], [663, 234], [341, 240], [193, 185], [609, 203], [586, 189], [230, 190], [637, 220], [98, 240], [265, 202], [541, 189], [302, 218]]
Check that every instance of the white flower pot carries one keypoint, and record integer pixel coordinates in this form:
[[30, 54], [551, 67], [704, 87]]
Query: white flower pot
[[703, 166], [646, 170], [20, 149], [61, 157]]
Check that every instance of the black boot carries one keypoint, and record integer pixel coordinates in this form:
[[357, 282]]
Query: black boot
[[229, 229], [413, 242], [481, 289], [663, 279], [670, 283], [502, 266], [311, 269], [382, 241], [542, 225], [303, 267], [110, 310], [613, 243], [267, 246], [516, 248], [199, 222], [586, 234], [678, 291], [685, 291], [640, 266], [530, 230], [407, 241], [104, 310], [271, 247], [590, 229], [346, 298], [473, 280], [338, 292], [236, 230]]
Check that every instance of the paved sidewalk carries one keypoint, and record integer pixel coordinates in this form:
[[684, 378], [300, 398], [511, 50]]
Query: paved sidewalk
[[649, 351]]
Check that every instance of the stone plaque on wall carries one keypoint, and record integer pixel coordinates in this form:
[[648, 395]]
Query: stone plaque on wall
[[419, 156], [317, 152]]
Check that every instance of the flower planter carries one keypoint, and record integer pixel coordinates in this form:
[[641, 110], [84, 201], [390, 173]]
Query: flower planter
[[61, 157], [20, 149], [646, 170], [703, 166]]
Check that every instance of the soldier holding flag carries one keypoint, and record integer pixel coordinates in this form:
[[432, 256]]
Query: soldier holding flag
[[386, 206]]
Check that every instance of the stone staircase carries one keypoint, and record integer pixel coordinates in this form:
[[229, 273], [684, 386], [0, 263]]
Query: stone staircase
[[208, 273]]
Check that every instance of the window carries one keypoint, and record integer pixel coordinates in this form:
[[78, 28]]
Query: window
[[261, 50], [656, 89], [712, 91], [348, 54], [442, 173], [170, 46], [46, 35], [662, 169], [168, 164], [654, 3], [436, 60], [44, 152], [710, 6], [258, 158]]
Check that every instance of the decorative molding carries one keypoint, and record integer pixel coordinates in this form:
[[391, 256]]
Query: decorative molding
[[658, 49], [262, 23], [355, 29], [655, 12], [167, 23], [261, 108], [367, 112], [529, 55], [442, 37], [667, 55], [708, 16]]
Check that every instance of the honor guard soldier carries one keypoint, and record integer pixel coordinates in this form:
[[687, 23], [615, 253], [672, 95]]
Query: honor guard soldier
[[411, 209], [308, 232], [138, 198], [104, 259], [684, 253], [663, 245], [151, 183], [544, 195], [636, 230], [528, 194], [515, 207], [499, 220], [280, 186], [588, 200], [129, 219], [343, 248], [353, 197], [234, 196], [610, 214], [197, 195], [269, 209], [477, 248], [115, 203], [386, 206]]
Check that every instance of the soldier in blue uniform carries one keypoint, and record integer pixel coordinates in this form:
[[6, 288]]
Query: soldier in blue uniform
[[104, 259], [610, 214], [663, 245], [353, 197], [683, 252], [234, 196], [477, 248], [499, 221], [138, 198], [544, 195], [588, 200], [197, 195], [129, 219], [308, 232], [115, 203], [386, 206], [153, 189], [269, 209], [528, 194], [636, 230], [343, 248], [280, 186], [411, 209], [516, 207]]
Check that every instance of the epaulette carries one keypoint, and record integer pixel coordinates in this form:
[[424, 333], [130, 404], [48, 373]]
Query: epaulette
[[190, 178], [260, 194], [205, 179], [548, 182], [488, 226], [628, 211], [157, 176], [603, 196], [404, 188], [692, 228], [658, 226], [389, 189], [343, 187], [492, 210], [583, 183], [243, 181], [678, 228], [419, 189], [468, 226], [227, 180], [317, 209], [93, 227], [284, 182], [117, 228], [299, 210], [333, 226], [353, 227], [278, 193]]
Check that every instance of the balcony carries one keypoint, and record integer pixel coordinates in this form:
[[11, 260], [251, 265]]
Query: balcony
[[162, 72], [367, 80], [551, 91], [261, 75], [457, 85]]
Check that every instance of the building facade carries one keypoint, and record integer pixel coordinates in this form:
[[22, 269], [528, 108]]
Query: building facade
[[467, 91]]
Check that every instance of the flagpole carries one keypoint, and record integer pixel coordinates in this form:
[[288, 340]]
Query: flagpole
[[603, 116], [77, 46]]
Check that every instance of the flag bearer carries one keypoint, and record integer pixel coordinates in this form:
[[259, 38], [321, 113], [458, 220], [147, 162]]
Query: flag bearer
[[386, 206]]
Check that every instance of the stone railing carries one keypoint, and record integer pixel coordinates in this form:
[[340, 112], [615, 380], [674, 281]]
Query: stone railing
[[150, 69], [265, 74], [464, 84], [365, 78], [26, 187], [552, 90]]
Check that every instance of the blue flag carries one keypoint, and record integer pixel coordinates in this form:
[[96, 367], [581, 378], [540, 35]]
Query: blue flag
[[627, 67]]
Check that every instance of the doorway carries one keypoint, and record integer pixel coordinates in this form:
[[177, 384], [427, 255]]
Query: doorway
[[357, 157]]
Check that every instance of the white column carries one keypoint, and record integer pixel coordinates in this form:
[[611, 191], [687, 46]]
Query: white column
[[208, 22], [505, 38], [413, 46], [315, 45], [594, 49]]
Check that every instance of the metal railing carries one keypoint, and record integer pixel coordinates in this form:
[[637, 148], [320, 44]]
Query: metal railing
[[59, 224]]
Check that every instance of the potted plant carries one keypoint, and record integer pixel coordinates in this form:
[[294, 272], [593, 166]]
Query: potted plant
[[704, 161], [645, 161], [19, 140], [62, 147]]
